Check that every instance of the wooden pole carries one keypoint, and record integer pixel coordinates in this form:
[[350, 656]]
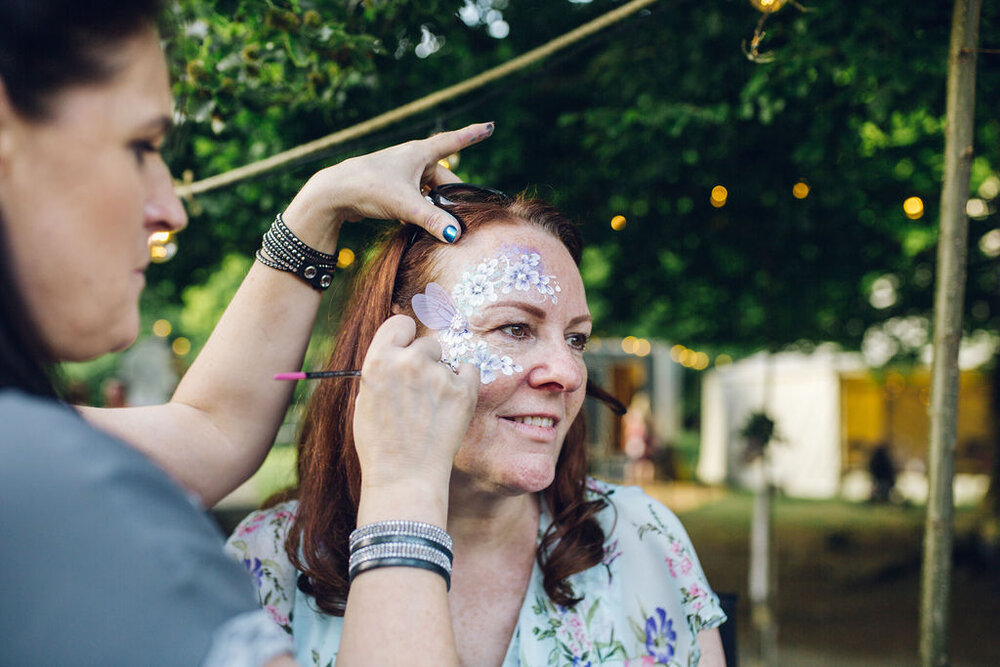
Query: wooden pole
[[949, 295]]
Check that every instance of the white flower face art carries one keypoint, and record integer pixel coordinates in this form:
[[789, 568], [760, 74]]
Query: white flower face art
[[513, 269]]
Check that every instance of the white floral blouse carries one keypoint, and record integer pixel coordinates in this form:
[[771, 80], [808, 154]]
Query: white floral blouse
[[643, 605]]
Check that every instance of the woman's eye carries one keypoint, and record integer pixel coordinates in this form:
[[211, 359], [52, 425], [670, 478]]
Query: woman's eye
[[516, 330], [141, 148], [578, 341]]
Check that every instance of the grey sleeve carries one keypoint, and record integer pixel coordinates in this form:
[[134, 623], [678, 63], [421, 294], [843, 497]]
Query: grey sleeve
[[103, 559]]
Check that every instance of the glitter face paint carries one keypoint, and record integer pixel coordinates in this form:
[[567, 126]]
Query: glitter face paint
[[512, 269]]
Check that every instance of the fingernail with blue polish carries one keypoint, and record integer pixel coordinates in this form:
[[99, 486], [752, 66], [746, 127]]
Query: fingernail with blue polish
[[450, 233]]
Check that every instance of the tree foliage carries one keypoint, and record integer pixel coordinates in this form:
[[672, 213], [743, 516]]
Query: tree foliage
[[643, 120]]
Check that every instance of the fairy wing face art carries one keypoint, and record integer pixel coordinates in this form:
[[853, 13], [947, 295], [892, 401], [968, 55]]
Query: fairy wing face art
[[436, 311], [512, 269], [434, 308]]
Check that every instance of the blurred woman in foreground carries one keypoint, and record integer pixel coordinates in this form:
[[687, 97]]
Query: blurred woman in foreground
[[105, 559]]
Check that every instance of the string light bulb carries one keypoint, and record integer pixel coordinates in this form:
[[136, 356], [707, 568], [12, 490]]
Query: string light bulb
[[719, 196], [913, 207], [162, 247], [768, 6]]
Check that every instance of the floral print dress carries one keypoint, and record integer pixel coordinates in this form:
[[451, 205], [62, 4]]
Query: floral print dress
[[643, 605]]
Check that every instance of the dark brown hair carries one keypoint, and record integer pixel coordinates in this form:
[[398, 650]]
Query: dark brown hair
[[328, 469]]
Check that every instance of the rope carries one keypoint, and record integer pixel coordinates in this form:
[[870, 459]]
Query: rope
[[187, 190]]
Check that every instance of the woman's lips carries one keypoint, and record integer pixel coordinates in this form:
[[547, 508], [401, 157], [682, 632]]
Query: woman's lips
[[538, 427]]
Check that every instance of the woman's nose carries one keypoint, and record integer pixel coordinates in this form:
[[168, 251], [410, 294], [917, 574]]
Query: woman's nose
[[163, 210], [558, 367]]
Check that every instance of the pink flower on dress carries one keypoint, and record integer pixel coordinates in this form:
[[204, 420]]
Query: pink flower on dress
[[670, 564], [686, 566], [644, 661], [252, 525], [696, 591], [275, 615]]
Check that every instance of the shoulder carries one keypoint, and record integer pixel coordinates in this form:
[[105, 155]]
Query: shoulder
[[85, 517], [258, 544], [263, 530], [644, 538], [42, 438], [630, 505]]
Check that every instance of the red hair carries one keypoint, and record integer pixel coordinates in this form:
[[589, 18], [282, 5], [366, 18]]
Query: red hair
[[329, 473]]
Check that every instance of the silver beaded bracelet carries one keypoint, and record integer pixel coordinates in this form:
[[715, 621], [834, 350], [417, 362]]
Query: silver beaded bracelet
[[281, 249], [401, 544]]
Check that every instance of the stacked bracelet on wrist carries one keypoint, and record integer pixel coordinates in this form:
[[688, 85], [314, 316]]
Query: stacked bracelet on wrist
[[281, 249], [401, 543]]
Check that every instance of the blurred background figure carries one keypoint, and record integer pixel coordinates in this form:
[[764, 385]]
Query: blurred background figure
[[882, 468], [638, 440], [114, 393]]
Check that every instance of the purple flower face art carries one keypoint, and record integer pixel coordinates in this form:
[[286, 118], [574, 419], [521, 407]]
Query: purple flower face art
[[513, 269]]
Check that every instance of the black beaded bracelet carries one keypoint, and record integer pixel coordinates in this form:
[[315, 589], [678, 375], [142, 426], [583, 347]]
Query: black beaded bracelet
[[281, 249], [397, 561]]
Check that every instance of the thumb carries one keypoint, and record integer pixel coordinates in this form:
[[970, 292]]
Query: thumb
[[397, 331], [439, 223]]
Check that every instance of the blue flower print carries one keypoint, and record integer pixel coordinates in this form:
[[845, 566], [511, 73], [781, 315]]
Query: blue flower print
[[255, 569], [660, 636], [578, 662]]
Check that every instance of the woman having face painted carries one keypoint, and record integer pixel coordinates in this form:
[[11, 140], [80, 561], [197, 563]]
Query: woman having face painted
[[545, 565], [105, 558]]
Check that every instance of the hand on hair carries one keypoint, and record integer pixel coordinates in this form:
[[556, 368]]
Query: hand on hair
[[410, 417], [385, 185]]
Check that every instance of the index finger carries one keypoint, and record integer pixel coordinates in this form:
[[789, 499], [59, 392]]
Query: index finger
[[444, 144]]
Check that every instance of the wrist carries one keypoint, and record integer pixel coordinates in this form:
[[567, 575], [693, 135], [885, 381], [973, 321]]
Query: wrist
[[312, 217], [410, 500]]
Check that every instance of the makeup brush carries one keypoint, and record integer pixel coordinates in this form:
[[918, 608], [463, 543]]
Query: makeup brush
[[317, 375]]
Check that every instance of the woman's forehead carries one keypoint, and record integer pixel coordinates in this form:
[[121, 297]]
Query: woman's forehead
[[514, 245]]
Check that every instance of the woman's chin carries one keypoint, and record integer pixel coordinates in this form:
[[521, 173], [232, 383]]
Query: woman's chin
[[531, 477]]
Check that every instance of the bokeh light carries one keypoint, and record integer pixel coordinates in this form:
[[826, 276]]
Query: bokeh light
[[162, 247], [162, 328], [913, 207], [642, 347], [345, 258], [768, 6], [181, 346], [800, 190], [719, 196], [618, 223], [628, 344], [989, 243]]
